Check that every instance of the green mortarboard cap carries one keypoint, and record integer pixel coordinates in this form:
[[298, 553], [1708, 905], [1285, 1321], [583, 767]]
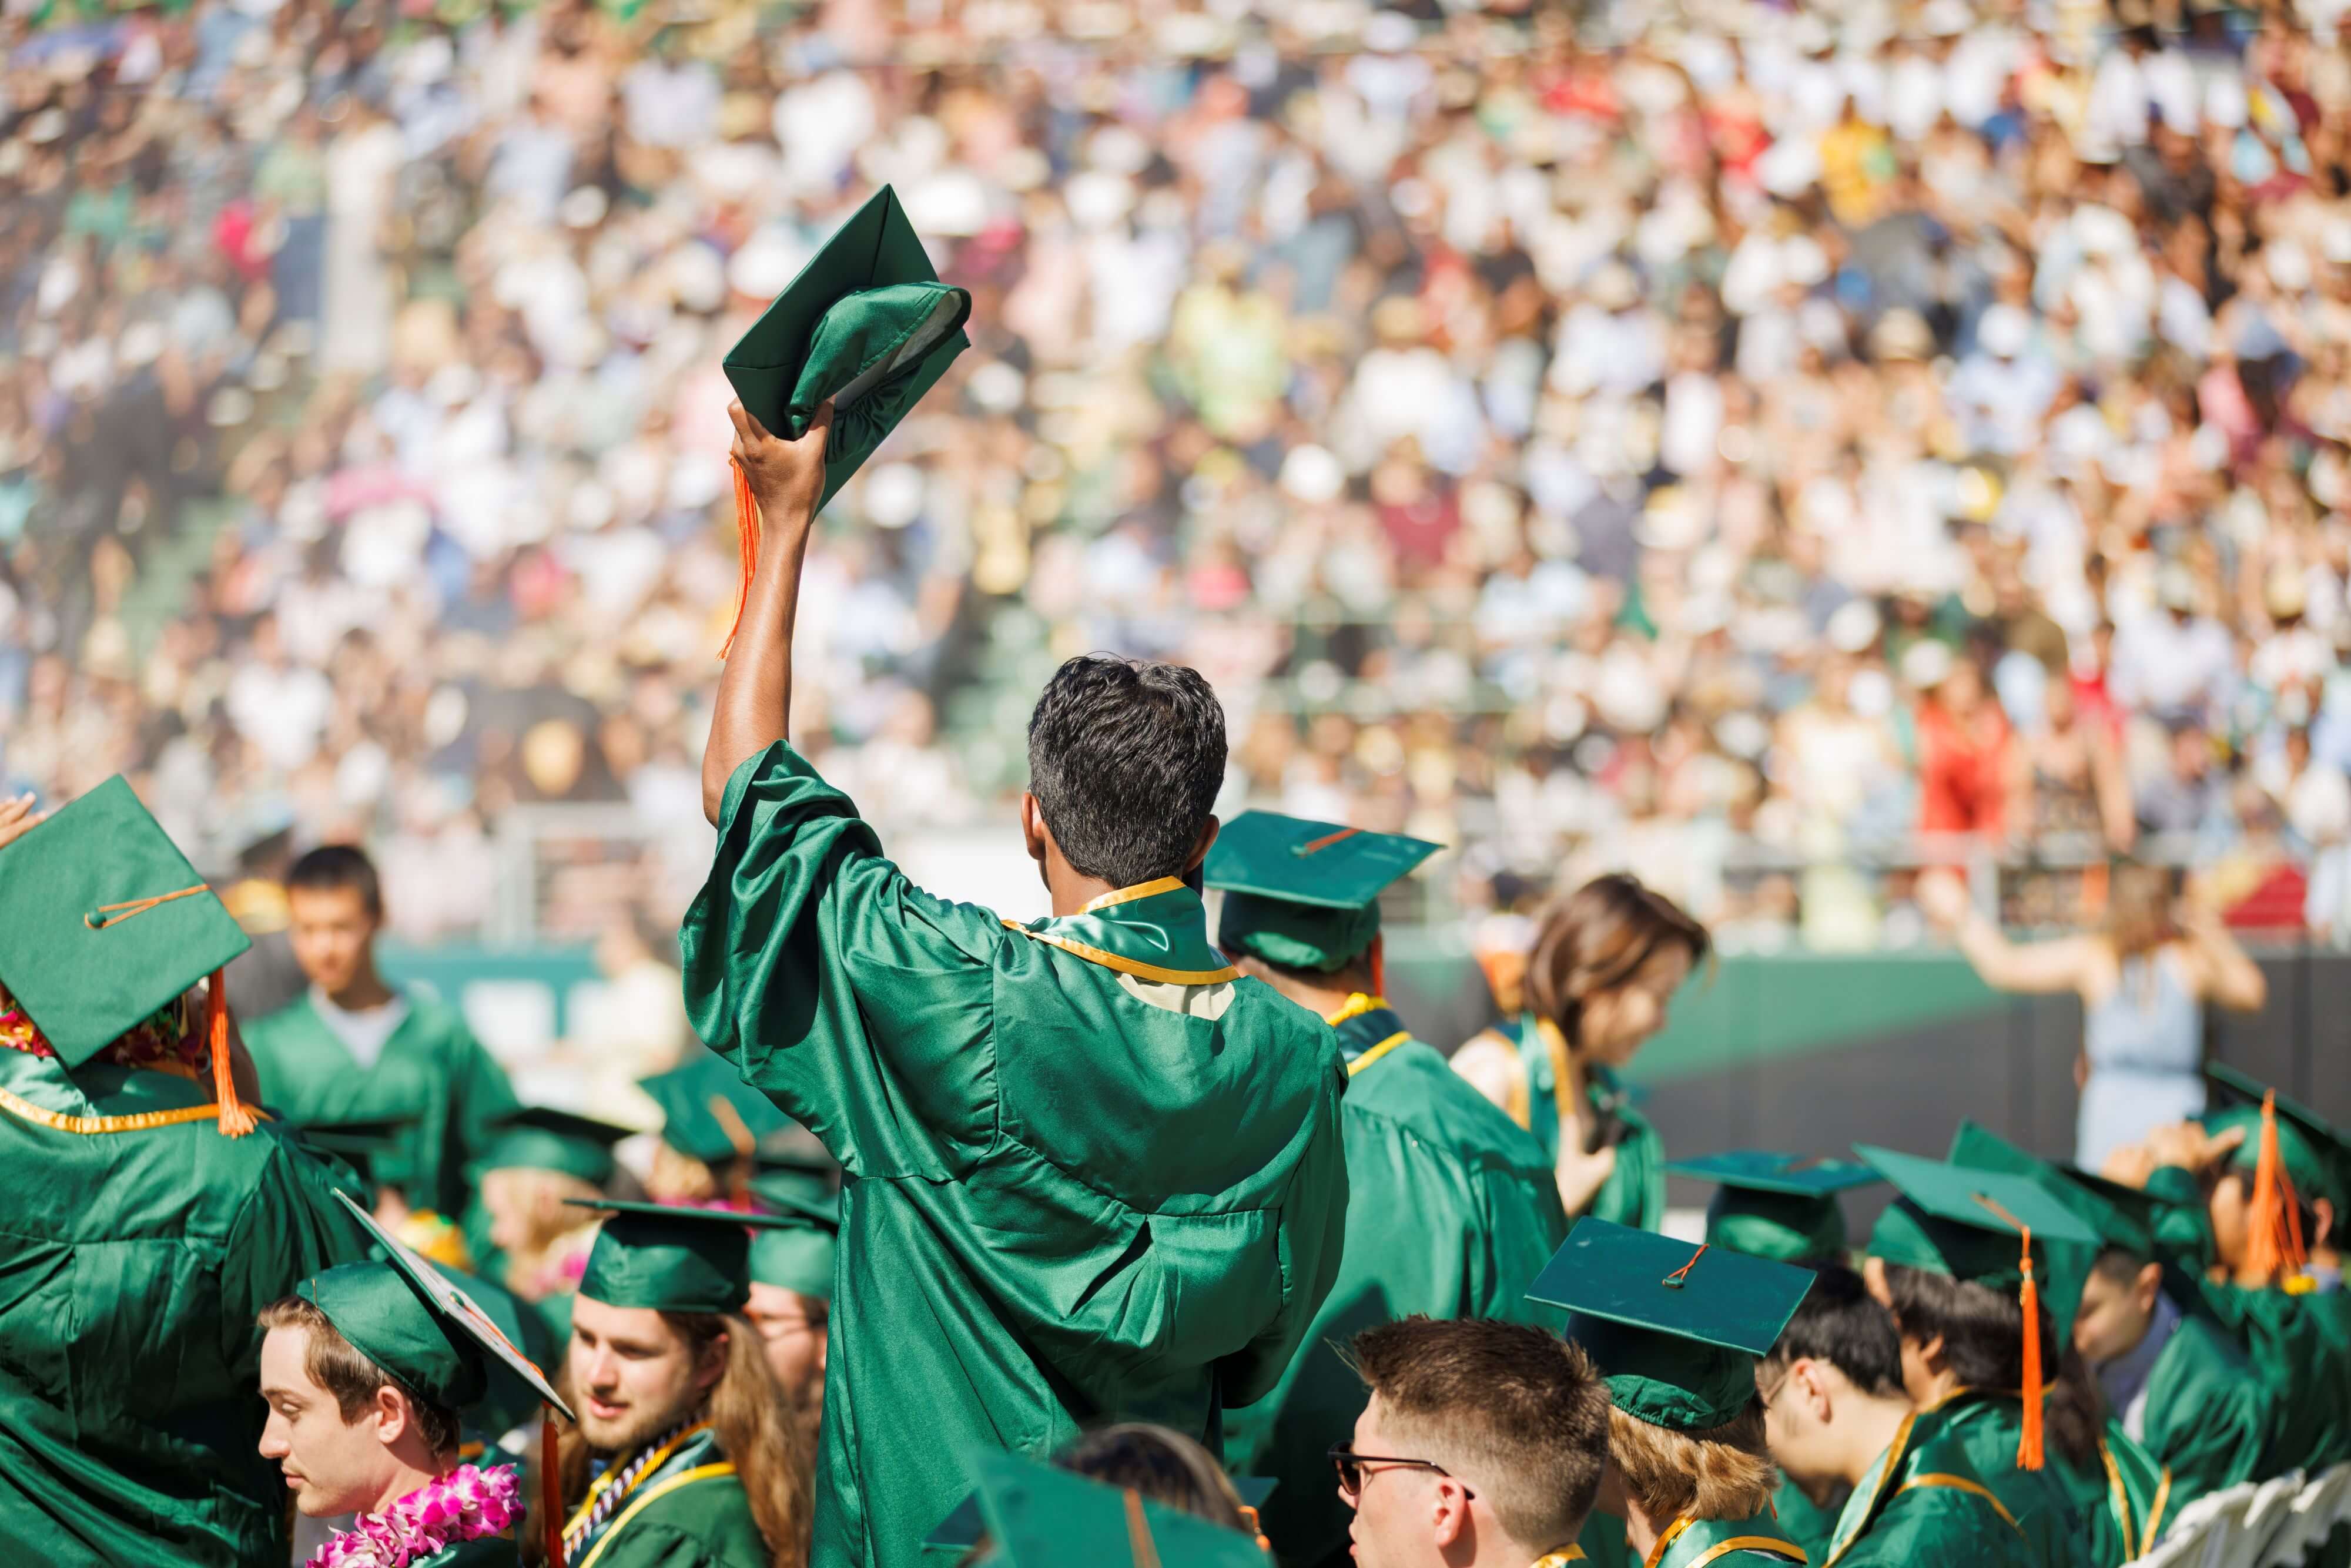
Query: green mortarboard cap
[[797, 1256], [1675, 1329], [2311, 1150], [961, 1531], [1303, 894], [106, 922], [428, 1335], [1949, 1219], [867, 323], [1041, 1517], [674, 1259], [366, 1146], [542, 1138], [2120, 1216], [1778, 1206], [692, 1121]]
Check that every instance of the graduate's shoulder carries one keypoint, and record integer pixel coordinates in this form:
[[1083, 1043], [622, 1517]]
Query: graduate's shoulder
[[1415, 1088], [699, 1516]]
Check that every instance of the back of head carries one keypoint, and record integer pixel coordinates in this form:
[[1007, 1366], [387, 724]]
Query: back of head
[[1162, 1466], [332, 867], [1125, 759], [1839, 1323], [1982, 1331], [1598, 938], [2138, 909], [1518, 1415], [336, 1366]]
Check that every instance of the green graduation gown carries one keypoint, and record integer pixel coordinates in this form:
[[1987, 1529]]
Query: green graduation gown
[[2117, 1497], [1923, 1502], [687, 1511], [489, 1551], [140, 1246], [1634, 1192], [1451, 1212], [1986, 1425], [432, 1070], [1809, 1524], [2209, 1417], [1090, 1175], [1757, 1542]]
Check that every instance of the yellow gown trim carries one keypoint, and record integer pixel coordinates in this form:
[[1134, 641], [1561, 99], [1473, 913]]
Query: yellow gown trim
[[89, 1127], [1135, 967], [684, 1478], [1376, 1053]]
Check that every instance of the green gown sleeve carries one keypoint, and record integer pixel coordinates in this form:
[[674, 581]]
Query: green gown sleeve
[[1314, 1238], [2208, 1416], [841, 990]]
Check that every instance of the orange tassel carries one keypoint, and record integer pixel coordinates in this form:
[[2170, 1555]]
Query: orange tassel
[[2274, 1244], [2028, 1443], [236, 1121], [746, 538], [550, 1489]]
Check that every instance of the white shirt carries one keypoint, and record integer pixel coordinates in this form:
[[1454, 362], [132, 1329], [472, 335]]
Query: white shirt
[[365, 1031]]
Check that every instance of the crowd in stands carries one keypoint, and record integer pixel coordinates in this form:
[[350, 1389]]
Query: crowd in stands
[[1746, 445]]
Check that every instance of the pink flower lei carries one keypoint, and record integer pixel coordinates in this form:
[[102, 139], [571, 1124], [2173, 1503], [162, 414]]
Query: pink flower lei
[[464, 1505]]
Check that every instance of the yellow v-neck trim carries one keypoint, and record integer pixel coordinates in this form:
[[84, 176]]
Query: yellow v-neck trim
[[1135, 967], [1376, 1053], [1895, 1454], [1357, 1007], [1129, 894], [638, 1505], [1769, 1546]]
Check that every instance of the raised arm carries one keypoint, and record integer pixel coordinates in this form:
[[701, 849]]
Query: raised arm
[[2063, 964], [2226, 975], [755, 691]]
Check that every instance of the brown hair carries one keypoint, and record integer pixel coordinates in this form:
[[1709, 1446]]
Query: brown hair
[[1721, 1472], [335, 1364], [2138, 909], [748, 1413], [1516, 1414], [1597, 938], [1164, 1466]]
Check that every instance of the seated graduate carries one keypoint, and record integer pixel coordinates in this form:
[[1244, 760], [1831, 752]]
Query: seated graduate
[[1837, 1421], [791, 1299]]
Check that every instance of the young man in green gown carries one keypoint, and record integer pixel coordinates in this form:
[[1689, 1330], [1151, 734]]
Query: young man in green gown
[[1951, 1258], [1676, 1331], [685, 1453], [1838, 1422], [1091, 1172], [1450, 1207], [357, 1047], [149, 1218]]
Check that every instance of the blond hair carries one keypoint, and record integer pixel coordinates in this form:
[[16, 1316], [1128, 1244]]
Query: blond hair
[[1721, 1472]]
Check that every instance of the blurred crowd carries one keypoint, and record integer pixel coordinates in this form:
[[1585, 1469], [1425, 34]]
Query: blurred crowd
[[1763, 449]]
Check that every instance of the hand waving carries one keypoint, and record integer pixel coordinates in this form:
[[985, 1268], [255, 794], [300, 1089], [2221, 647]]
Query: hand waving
[[787, 477]]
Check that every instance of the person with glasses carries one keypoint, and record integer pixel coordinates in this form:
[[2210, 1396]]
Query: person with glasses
[[1450, 1207], [791, 1301], [1676, 1330], [1481, 1445]]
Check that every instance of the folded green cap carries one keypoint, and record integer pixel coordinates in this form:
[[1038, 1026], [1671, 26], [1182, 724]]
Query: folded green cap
[[1301, 893], [1962, 1221], [1783, 1208], [107, 923], [1676, 1328], [542, 1138], [1040, 1516], [961, 1529], [709, 1113], [674, 1259], [867, 323], [2311, 1149], [426, 1333]]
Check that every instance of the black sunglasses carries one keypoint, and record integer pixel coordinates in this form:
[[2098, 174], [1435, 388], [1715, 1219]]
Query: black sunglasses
[[1349, 1465]]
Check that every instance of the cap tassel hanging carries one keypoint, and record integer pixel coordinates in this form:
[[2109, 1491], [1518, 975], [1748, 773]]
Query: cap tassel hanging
[[2029, 1447], [236, 1121], [2275, 1248], [550, 1489], [746, 538]]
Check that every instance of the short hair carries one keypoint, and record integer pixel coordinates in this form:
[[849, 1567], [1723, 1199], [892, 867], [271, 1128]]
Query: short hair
[[1518, 1414], [1982, 1331], [1125, 759], [1715, 1472], [1163, 1466], [335, 1365], [332, 866], [1840, 1323]]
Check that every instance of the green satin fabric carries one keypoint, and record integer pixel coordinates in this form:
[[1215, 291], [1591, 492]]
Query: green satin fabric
[[1781, 1226], [1809, 1524], [1166, 930], [1634, 1192], [1986, 1425], [1703, 1535], [1889, 1522], [131, 1267], [1451, 1211], [703, 1523], [2210, 1416], [1063, 1205]]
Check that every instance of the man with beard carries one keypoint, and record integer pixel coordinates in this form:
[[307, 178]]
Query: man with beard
[[684, 1456]]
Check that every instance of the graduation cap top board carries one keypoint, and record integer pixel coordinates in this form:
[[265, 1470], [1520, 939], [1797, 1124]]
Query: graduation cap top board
[[1778, 1207], [798, 1254], [961, 1529], [1301, 893], [2294, 1155], [866, 323], [674, 1259], [108, 924], [1040, 1516], [1675, 1329], [543, 1138]]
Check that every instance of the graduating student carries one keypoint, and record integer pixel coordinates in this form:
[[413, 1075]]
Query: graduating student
[[1676, 1331], [1090, 1175], [365, 1371], [150, 1214], [685, 1452], [791, 1299], [2180, 1391], [724, 1142], [1784, 1208], [1450, 1209], [1838, 1422], [523, 1229], [1605, 966], [356, 1046], [1961, 1258], [1039, 1516]]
